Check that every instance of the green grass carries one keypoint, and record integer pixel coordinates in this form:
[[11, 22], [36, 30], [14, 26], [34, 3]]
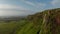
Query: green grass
[[7, 28], [20, 27], [11, 27], [27, 29]]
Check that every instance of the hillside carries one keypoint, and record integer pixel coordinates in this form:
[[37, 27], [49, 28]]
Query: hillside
[[48, 21], [45, 22]]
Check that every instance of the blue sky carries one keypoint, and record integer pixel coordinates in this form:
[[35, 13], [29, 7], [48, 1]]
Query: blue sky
[[25, 7]]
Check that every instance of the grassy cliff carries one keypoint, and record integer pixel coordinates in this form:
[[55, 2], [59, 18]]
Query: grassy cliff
[[48, 21], [45, 22]]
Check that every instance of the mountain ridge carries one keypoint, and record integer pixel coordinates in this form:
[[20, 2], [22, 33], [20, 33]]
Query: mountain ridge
[[48, 19]]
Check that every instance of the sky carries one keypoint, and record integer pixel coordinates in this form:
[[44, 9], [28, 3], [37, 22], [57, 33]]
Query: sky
[[26, 7]]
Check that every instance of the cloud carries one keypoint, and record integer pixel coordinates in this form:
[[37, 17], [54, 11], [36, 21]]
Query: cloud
[[14, 13], [37, 5], [10, 10], [8, 6], [30, 3], [13, 10], [55, 2], [34, 4], [40, 5]]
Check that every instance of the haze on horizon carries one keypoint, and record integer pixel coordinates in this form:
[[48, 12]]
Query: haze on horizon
[[26, 7]]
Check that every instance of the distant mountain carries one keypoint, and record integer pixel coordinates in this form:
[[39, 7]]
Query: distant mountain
[[12, 18]]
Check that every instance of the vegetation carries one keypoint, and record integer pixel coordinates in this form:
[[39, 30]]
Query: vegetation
[[46, 22]]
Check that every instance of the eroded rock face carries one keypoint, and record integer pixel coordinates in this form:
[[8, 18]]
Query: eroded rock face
[[56, 25], [58, 19]]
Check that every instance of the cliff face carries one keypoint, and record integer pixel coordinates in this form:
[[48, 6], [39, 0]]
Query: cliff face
[[47, 21]]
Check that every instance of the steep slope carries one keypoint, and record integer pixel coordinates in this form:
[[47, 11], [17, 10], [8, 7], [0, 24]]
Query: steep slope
[[46, 22]]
